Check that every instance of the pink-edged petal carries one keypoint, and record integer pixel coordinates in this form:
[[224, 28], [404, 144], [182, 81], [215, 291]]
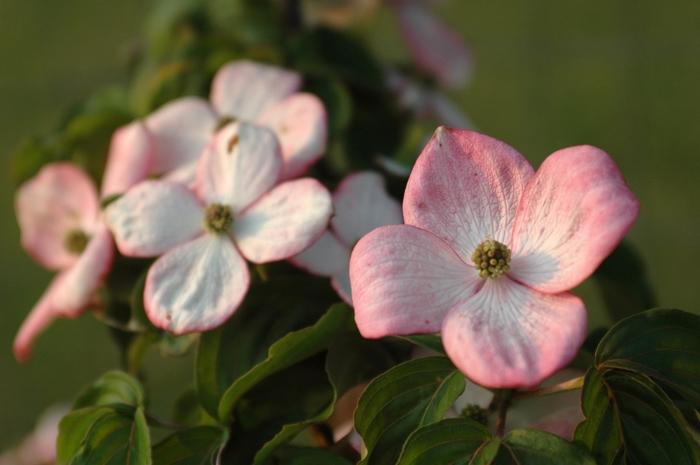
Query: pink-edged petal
[[301, 124], [326, 257], [284, 221], [82, 279], [59, 199], [405, 280], [196, 286], [341, 284], [361, 204], [41, 316], [180, 130], [244, 89], [241, 164], [509, 335], [573, 213], [433, 45], [153, 217], [185, 175], [69, 293], [130, 158], [465, 188]]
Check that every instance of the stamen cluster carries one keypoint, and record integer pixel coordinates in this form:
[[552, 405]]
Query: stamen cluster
[[75, 241], [218, 218], [492, 259]]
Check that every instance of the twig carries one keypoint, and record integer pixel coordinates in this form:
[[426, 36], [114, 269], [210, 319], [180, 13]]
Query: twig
[[570, 385]]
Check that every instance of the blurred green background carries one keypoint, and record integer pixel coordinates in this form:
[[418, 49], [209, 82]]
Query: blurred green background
[[623, 75]]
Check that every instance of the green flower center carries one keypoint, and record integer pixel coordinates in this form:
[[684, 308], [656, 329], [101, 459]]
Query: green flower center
[[491, 258], [218, 218], [75, 241], [476, 413]]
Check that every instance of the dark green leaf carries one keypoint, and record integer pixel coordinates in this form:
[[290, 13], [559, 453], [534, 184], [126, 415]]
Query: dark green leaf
[[337, 101], [663, 344], [451, 441], [395, 403], [114, 387], [271, 310], [196, 446], [289, 350], [624, 283], [534, 447], [110, 435], [630, 420], [431, 342]]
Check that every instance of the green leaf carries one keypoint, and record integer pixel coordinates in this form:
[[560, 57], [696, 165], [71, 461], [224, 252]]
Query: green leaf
[[337, 100], [349, 362], [110, 435], [624, 284], [289, 350], [196, 446], [114, 387], [397, 402], [431, 342], [452, 441], [663, 344], [630, 420], [534, 447], [270, 311]]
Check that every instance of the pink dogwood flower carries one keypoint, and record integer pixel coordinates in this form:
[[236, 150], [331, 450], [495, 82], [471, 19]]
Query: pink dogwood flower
[[59, 218], [488, 252], [244, 91], [361, 204], [434, 47], [238, 209], [58, 213]]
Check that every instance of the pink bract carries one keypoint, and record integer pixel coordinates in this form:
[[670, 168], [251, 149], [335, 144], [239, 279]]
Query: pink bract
[[258, 94], [60, 202], [361, 204], [238, 210], [509, 330]]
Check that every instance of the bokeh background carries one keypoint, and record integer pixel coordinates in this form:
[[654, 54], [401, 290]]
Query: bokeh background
[[623, 75]]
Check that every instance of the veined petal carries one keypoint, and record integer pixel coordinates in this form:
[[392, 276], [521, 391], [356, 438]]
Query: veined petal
[[153, 217], [574, 212], [361, 204], [196, 286], [284, 221], [81, 280], [130, 159], [509, 335], [465, 188], [326, 257], [405, 280], [59, 199], [301, 124], [180, 130], [433, 45], [241, 164], [244, 89]]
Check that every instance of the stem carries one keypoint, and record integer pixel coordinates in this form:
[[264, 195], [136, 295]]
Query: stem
[[570, 385], [500, 403]]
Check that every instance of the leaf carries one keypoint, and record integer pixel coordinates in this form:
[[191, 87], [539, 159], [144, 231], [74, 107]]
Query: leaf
[[115, 434], [431, 342], [114, 387], [195, 446], [464, 441], [349, 362], [623, 282], [534, 447], [395, 403], [452, 441], [662, 344], [291, 349], [630, 420], [270, 311], [337, 101]]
